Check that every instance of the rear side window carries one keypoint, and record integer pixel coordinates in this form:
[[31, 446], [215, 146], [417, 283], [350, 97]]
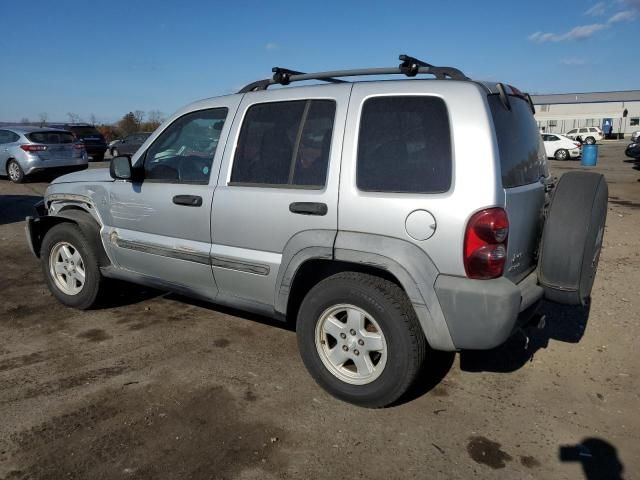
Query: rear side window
[[522, 157], [8, 137], [404, 145], [51, 137], [285, 144]]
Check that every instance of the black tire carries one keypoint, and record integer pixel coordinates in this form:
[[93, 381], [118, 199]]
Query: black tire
[[387, 303], [70, 233], [15, 172], [590, 141], [562, 154], [572, 238]]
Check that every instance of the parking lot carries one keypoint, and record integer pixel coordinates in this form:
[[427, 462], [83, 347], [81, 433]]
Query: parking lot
[[155, 385]]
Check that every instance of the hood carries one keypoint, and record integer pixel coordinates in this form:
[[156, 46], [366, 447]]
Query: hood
[[90, 175]]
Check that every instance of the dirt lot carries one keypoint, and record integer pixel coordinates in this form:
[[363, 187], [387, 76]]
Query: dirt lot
[[154, 385]]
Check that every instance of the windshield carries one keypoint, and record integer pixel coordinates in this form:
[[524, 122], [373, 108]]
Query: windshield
[[522, 157]]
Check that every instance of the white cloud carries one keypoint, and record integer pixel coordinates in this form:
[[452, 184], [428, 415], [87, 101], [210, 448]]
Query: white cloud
[[271, 46], [597, 9], [625, 16], [578, 33]]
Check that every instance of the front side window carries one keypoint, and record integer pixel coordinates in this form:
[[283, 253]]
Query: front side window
[[404, 145], [184, 152], [634, 122], [285, 144]]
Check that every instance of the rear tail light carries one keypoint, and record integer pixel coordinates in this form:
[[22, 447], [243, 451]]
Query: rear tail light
[[485, 244], [33, 148]]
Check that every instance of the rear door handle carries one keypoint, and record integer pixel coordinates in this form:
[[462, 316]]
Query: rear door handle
[[308, 208], [188, 200]]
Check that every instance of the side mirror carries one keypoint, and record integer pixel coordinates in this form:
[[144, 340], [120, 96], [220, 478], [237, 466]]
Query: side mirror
[[120, 168]]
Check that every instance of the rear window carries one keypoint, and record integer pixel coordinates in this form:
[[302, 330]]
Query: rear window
[[404, 145], [50, 137], [522, 157]]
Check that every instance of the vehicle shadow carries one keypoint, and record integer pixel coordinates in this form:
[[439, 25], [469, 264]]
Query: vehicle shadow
[[121, 294], [562, 323], [435, 369], [13, 208], [215, 307], [599, 459]]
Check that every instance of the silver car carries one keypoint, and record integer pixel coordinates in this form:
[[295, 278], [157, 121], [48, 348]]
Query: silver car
[[383, 218], [27, 150]]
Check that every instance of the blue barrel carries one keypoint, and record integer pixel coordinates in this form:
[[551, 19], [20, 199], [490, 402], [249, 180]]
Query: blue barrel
[[589, 155]]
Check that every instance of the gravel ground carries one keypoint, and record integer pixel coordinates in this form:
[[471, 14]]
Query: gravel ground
[[153, 385]]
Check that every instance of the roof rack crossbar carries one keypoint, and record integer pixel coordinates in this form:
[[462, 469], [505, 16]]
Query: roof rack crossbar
[[410, 67]]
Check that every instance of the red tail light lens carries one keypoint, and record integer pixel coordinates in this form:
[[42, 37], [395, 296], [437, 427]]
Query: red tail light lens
[[33, 148], [485, 244]]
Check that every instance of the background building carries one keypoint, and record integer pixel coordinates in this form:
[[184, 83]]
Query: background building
[[559, 113]]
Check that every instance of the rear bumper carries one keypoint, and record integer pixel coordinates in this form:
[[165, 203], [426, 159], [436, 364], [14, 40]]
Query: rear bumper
[[33, 165], [575, 152], [95, 149], [482, 314]]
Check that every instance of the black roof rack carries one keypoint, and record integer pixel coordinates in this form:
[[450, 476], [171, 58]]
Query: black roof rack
[[410, 67]]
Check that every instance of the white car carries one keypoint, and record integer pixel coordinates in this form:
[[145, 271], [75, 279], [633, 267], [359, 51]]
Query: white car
[[588, 135], [560, 147]]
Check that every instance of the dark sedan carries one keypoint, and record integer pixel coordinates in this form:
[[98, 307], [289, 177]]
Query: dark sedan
[[129, 144], [633, 151]]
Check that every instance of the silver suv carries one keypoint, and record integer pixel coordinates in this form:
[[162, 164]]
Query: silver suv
[[385, 218]]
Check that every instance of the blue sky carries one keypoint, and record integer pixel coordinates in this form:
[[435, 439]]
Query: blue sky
[[108, 58]]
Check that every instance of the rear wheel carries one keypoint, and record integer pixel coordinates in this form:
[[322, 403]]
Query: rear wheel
[[562, 154], [15, 172], [359, 337], [70, 266], [590, 140]]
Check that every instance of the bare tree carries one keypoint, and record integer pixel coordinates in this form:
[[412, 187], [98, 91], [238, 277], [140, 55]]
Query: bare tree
[[43, 116], [139, 114], [154, 119], [73, 117], [24, 120]]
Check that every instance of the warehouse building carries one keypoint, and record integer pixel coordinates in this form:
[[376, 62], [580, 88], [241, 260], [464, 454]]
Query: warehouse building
[[559, 113]]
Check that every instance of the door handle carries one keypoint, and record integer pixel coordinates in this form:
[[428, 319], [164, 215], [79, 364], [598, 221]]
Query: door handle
[[308, 208], [188, 200]]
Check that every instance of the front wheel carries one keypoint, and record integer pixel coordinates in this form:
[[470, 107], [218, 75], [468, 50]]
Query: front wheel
[[562, 154], [15, 172], [70, 266], [360, 339], [590, 140]]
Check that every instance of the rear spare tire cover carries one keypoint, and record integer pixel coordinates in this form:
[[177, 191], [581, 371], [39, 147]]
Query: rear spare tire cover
[[572, 238]]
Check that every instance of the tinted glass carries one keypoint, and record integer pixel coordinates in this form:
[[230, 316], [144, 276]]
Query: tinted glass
[[285, 144], [184, 152], [51, 137], [522, 157], [404, 145], [8, 137]]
